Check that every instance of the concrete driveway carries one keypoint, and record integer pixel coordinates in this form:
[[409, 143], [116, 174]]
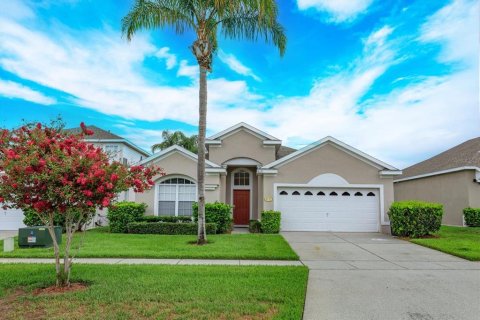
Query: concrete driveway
[[375, 276]]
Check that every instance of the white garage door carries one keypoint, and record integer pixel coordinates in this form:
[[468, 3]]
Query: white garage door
[[11, 219], [328, 209]]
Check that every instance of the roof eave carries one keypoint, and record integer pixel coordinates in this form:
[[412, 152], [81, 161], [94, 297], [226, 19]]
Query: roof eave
[[436, 173]]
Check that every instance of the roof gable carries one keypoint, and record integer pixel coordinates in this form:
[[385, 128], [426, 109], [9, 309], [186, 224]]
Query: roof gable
[[103, 136], [178, 149], [340, 145], [268, 139], [464, 155]]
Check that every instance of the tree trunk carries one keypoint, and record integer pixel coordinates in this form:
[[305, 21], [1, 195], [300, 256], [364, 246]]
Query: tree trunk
[[202, 125], [61, 279]]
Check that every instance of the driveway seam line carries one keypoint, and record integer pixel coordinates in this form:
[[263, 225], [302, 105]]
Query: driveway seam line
[[370, 252]]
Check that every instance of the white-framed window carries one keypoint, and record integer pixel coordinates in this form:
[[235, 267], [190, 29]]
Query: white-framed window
[[176, 197], [241, 178]]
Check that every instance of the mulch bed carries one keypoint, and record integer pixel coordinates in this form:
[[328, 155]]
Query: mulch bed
[[59, 290]]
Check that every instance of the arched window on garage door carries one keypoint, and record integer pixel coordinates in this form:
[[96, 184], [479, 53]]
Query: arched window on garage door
[[176, 197]]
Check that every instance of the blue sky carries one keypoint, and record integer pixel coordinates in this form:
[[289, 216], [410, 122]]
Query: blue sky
[[396, 79]]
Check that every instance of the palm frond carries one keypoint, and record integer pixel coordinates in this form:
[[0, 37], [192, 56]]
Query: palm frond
[[251, 20], [149, 14]]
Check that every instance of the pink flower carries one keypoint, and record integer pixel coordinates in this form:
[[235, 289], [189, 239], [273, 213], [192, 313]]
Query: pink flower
[[105, 202], [11, 154], [87, 193]]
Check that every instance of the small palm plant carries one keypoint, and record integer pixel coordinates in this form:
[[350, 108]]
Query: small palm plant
[[176, 138], [234, 19]]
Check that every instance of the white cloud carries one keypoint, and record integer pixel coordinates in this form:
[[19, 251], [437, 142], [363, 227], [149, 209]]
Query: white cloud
[[337, 10], [380, 36], [110, 82], [186, 70], [15, 90], [234, 64], [16, 9], [455, 26], [170, 59]]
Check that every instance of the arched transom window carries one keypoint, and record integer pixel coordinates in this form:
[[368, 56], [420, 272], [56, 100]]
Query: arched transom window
[[241, 178], [176, 197]]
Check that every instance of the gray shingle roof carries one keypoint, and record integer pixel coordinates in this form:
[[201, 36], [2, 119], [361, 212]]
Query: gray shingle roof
[[462, 155], [284, 151], [100, 134], [97, 133]]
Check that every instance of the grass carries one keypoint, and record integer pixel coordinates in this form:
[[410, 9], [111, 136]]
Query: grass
[[99, 243], [458, 241], [156, 292]]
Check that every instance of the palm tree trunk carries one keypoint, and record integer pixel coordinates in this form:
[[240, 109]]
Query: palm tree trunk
[[202, 125]]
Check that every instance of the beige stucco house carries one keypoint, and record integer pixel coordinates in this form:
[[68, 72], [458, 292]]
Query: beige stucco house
[[451, 178], [325, 186]]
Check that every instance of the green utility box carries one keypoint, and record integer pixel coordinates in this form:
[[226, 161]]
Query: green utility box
[[37, 237]]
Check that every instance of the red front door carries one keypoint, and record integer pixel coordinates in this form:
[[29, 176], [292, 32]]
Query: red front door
[[241, 210]]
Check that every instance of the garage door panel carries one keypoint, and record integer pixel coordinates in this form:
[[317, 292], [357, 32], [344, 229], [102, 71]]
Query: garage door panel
[[349, 210]]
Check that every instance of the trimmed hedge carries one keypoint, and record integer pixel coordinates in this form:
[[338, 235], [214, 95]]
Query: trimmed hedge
[[472, 217], [415, 218], [218, 213], [168, 228], [173, 219], [255, 226], [271, 221], [122, 213]]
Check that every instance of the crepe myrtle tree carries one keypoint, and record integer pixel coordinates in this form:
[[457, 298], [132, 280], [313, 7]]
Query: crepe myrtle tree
[[206, 20], [51, 171]]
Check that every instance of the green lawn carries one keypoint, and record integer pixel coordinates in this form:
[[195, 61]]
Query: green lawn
[[459, 241], [99, 243], [156, 292]]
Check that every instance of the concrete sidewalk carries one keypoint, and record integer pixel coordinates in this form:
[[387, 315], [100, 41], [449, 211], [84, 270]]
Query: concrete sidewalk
[[161, 261]]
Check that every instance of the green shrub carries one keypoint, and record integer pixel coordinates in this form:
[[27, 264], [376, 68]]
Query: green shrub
[[168, 228], [31, 219], [472, 217], [271, 221], [255, 226], [185, 219], [415, 218], [218, 213], [122, 213]]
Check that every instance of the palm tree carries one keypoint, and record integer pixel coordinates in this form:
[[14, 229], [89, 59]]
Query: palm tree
[[176, 138], [234, 19]]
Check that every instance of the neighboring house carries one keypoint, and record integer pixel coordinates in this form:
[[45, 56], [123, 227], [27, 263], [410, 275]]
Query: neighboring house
[[325, 186], [118, 149], [451, 178]]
